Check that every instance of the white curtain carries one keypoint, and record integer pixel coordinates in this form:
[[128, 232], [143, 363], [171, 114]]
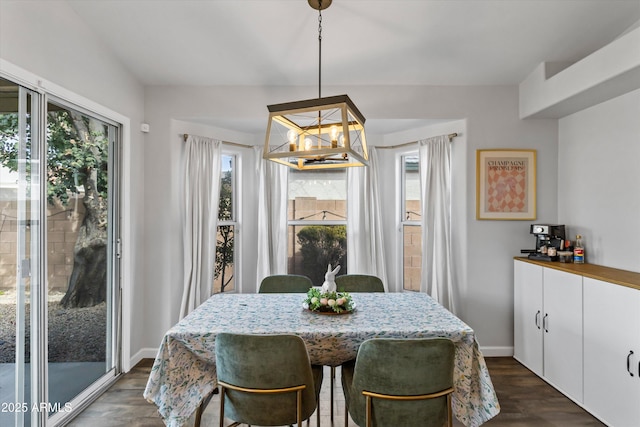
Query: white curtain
[[272, 217], [202, 191], [365, 243], [435, 186]]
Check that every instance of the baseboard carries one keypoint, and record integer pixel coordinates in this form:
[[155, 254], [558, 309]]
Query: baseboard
[[145, 353], [497, 351]]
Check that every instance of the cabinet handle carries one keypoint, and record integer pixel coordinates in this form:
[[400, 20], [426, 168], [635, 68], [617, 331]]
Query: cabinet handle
[[628, 362], [537, 320], [544, 322]]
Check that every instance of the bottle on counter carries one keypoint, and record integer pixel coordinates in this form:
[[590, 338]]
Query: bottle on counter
[[568, 247], [578, 250]]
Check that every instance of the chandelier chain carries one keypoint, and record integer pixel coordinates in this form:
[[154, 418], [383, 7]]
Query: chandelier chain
[[320, 49]]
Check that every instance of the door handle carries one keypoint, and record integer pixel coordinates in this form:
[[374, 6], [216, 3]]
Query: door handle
[[629, 362], [537, 319], [544, 322]]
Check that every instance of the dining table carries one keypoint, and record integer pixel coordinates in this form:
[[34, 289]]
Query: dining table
[[184, 374]]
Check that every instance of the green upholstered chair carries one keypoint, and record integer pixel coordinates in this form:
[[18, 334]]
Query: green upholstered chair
[[285, 283], [266, 380], [359, 283], [400, 382]]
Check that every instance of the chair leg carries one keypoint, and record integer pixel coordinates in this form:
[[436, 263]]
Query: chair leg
[[198, 416], [368, 413], [299, 407], [203, 405], [346, 414], [222, 407], [333, 378], [317, 413]]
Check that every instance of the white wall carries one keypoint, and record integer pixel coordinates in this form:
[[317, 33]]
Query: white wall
[[44, 45], [554, 90], [486, 248], [599, 180]]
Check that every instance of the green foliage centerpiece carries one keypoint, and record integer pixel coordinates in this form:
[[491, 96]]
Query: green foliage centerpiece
[[328, 302]]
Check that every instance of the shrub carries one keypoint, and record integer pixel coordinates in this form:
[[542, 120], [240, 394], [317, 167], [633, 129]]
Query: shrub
[[321, 245]]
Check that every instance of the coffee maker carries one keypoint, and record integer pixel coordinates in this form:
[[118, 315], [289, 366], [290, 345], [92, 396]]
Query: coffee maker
[[549, 240]]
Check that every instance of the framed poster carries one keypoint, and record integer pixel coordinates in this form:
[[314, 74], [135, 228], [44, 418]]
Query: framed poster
[[506, 184]]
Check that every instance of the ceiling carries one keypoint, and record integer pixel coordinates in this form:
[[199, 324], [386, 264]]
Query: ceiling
[[372, 42]]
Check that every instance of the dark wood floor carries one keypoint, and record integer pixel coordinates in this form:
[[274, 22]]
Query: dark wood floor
[[525, 400]]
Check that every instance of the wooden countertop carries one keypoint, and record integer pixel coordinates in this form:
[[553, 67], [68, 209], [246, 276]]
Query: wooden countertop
[[630, 279]]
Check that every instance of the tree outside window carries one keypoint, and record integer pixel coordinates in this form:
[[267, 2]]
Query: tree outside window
[[225, 242]]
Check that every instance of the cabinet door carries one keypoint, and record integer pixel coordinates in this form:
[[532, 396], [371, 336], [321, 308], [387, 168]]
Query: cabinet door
[[527, 320], [562, 324], [611, 334]]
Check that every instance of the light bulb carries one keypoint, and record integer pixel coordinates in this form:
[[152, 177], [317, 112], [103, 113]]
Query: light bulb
[[292, 136], [341, 140], [333, 133], [308, 144]]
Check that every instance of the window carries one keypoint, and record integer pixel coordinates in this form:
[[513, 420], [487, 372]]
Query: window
[[317, 222], [224, 279], [410, 223]]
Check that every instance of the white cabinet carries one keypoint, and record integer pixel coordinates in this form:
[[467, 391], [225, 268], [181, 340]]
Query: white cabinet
[[578, 327], [562, 326], [527, 321], [548, 325], [612, 352]]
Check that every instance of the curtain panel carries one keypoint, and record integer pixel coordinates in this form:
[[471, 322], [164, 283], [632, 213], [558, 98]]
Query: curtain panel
[[365, 242], [272, 217], [435, 187], [202, 160]]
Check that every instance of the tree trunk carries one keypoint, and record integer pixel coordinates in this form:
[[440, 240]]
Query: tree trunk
[[88, 280], [87, 284]]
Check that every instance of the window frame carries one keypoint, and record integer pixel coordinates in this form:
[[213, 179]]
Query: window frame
[[235, 214], [403, 222]]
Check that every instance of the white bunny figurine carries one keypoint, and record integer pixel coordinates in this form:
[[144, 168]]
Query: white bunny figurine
[[329, 284]]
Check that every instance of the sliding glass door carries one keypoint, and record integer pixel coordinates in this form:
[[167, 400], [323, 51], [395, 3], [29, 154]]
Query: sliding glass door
[[21, 250], [81, 253], [59, 269]]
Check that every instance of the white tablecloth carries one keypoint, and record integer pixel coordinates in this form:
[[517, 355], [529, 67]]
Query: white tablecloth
[[184, 370]]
